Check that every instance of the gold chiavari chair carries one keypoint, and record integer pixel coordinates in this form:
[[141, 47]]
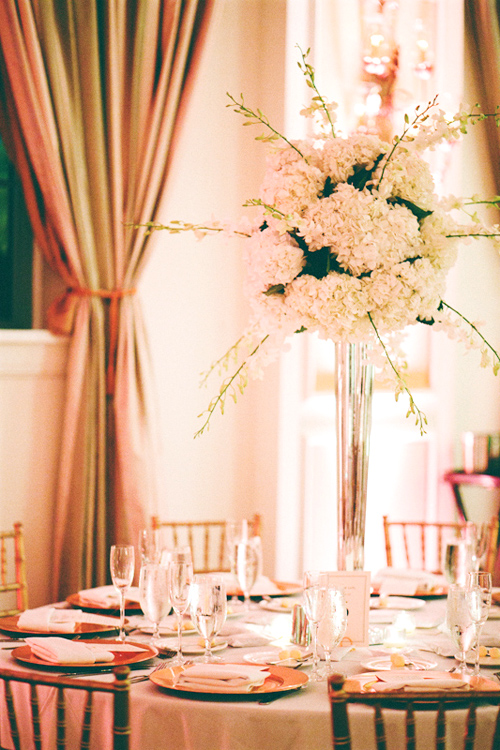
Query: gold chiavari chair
[[207, 540], [463, 703], [13, 572], [423, 542], [21, 711]]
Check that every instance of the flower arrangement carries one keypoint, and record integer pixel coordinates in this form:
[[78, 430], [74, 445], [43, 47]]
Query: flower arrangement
[[350, 241]]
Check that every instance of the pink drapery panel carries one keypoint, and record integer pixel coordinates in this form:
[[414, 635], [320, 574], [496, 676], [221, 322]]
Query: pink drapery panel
[[483, 21], [91, 96]]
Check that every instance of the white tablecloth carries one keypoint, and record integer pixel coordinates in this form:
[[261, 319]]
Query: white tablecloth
[[297, 721]]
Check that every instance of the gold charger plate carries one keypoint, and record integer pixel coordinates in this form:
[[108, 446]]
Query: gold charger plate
[[284, 589], [24, 655], [75, 601], [9, 625], [281, 679]]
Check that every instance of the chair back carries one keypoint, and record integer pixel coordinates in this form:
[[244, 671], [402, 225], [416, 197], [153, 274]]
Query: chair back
[[421, 544], [207, 540], [452, 707], [13, 585], [28, 729]]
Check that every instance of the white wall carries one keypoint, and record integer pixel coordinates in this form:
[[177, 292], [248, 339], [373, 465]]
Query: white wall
[[32, 379], [192, 291]]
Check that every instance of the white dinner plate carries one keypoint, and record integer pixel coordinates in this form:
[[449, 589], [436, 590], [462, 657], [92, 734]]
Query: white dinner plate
[[384, 663], [396, 602]]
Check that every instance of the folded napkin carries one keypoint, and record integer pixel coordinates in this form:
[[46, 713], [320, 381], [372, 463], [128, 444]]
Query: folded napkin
[[106, 597], [65, 651], [403, 581], [49, 620], [222, 677], [247, 640], [423, 683]]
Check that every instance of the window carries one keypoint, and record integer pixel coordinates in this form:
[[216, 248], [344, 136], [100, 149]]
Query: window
[[16, 250]]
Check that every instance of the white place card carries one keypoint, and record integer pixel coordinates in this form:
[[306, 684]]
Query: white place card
[[356, 587]]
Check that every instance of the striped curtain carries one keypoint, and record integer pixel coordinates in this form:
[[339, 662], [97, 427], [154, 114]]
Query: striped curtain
[[91, 96]]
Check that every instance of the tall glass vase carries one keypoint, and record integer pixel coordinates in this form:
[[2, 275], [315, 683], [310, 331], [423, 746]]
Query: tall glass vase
[[354, 390]]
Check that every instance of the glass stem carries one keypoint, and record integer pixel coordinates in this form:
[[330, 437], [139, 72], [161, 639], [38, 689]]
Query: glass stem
[[478, 634], [121, 637], [208, 649], [179, 635], [315, 646]]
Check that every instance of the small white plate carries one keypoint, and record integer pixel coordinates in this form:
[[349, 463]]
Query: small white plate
[[278, 605], [191, 645], [396, 602], [484, 661], [384, 664], [273, 657]]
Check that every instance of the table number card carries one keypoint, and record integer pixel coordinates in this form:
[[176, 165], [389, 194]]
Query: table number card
[[356, 586]]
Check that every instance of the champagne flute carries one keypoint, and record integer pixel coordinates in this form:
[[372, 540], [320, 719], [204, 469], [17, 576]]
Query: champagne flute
[[457, 561], [314, 607], [482, 582], [149, 546], [121, 563], [208, 608], [460, 604], [333, 624], [180, 576], [154, 595], [248, 555]]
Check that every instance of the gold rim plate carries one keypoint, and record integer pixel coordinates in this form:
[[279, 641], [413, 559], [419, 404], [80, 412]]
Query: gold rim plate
[[9, 625], [281, 679], [24, 655]]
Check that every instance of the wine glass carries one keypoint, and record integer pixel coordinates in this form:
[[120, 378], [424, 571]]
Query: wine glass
[[248, 556], [121, 563], [180, 576], [460, 604], [314, 607], [154, 595], [208, 608], [481, 581], [149, 546], [457, 561], [333, 624]]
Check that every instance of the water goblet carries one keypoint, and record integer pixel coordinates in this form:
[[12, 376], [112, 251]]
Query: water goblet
[[480, 607], [248, 556], [460, 604], [121, 563], [180, 576], [208, 608], [154, 595], [333, 624], [314, 607]]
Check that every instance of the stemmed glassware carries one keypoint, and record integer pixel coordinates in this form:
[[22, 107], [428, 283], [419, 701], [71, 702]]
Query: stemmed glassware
[[149, 548], [314, 607], [480, 581], [457, 561], [121, 563], [462, 602], [208, 609], [154, 595], [248, 558], [180, 576], [333, 624]]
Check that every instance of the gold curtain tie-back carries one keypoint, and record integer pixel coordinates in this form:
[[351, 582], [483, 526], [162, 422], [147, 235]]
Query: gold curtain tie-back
[[105, 293], [114, 296]]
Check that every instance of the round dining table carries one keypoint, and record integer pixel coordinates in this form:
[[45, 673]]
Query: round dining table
[[163, 719]]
